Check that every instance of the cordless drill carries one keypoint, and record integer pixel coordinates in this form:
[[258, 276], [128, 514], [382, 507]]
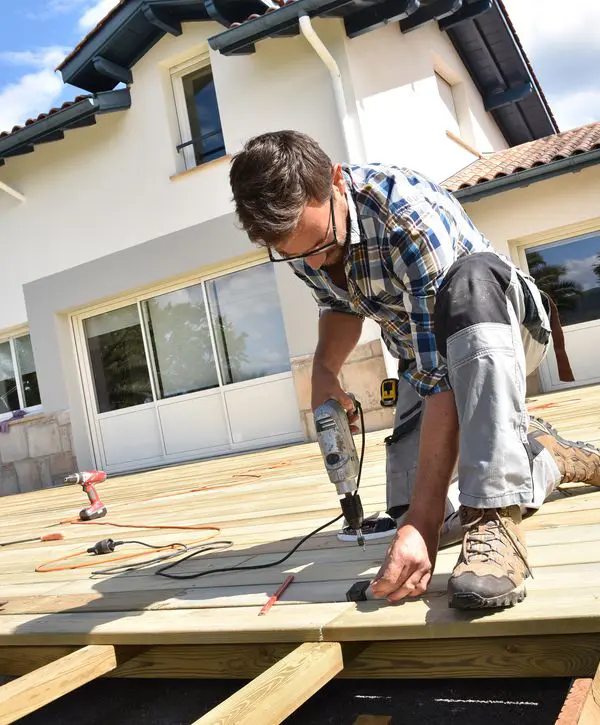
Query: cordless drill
[[341, 461], [87, 479]]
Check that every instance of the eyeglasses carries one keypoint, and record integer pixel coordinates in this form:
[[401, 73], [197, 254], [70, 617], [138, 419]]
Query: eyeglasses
[[276, 256]]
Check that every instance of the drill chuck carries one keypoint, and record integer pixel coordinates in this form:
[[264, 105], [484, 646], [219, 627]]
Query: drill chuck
[[352, 510]]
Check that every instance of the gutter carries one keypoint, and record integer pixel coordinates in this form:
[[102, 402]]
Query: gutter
[[353, 142], [569, 165], [64, 120], [243, 37]]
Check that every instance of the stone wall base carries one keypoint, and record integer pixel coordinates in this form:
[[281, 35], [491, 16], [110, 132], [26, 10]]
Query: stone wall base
[[361, 375], [36, 452]]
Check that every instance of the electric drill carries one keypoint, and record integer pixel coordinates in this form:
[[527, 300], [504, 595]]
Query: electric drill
[[341, 461], [87, 479]]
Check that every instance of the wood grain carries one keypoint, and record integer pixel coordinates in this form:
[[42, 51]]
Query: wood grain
[[279, 691], [46, 684], [590, 712], [264, 502]]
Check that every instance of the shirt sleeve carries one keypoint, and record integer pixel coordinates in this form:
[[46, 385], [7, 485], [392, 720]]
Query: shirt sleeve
[[325, 301], [421, 250]]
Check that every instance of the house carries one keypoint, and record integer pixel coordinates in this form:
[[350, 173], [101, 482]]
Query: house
[[538, 202], [139, 326]]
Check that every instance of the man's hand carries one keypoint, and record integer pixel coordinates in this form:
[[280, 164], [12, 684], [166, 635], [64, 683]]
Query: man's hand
[[325, 385], [410, 559], [409, 563]]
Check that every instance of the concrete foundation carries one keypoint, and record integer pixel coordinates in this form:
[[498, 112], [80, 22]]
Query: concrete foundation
[[36, 452], [361, 375]]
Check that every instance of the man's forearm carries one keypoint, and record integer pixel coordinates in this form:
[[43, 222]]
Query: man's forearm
[[438, 452], [338, 335]]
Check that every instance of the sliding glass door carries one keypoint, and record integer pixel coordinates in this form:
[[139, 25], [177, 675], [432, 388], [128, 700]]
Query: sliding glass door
[[181, 373]]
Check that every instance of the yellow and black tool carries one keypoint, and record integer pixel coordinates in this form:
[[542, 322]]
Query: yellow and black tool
[[389, 392]]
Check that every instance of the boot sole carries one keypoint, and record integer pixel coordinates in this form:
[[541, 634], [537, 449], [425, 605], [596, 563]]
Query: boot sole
[[471, 600]]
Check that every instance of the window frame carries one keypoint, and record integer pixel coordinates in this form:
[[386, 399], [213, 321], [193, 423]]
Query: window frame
[[177, 73], [438, 74], [10, 337]]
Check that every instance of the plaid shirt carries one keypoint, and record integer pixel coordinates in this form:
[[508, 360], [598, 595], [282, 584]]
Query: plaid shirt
[[405, 232]]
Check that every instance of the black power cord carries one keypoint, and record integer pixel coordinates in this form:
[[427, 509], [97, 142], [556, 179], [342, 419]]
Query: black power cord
[[223, 545]]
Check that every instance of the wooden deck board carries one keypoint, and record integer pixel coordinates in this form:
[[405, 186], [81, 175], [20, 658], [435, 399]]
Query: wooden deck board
[[264, 502]]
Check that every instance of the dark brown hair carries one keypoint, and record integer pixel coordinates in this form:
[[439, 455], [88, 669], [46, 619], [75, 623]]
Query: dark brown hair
[[273, 178]]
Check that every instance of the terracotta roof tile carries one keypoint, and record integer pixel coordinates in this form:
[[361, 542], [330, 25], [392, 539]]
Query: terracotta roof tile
[[527, 156], [29, 121]]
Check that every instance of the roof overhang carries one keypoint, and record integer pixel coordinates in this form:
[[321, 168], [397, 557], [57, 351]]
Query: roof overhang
[[528, 176], [53, 126], [132, 28], [480, 30]]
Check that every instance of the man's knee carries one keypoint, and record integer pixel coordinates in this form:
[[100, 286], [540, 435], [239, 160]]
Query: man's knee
[[473, 292]]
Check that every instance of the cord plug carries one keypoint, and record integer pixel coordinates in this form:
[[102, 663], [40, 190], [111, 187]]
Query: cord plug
[[106, 546]]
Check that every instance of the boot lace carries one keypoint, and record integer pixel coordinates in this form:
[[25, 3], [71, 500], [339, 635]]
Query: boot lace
[[481, 536]]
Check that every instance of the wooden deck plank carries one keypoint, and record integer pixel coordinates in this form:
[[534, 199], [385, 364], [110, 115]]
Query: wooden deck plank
[[264, 502]]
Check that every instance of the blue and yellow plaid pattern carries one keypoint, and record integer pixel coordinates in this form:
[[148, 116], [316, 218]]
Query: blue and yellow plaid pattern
[[405, 233]]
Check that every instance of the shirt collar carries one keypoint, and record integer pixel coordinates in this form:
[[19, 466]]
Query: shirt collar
[[352, 210]]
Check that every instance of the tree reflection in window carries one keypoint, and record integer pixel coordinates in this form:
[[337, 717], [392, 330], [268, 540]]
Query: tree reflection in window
[[569, 272]]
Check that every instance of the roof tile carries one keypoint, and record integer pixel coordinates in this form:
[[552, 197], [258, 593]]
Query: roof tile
[[527, 156], [29, 121]]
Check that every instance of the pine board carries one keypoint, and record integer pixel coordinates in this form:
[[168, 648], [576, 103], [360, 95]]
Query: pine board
[[264, 503]]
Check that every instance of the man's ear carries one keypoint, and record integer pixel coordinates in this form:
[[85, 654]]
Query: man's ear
[[338, 178]]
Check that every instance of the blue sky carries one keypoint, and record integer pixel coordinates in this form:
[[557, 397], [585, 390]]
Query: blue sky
[[36, 34]]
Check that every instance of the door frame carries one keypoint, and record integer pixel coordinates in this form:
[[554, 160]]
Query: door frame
[[136, 297], [518, 248]]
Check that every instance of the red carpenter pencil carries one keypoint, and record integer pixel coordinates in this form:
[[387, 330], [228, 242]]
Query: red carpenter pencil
[[271, 601]]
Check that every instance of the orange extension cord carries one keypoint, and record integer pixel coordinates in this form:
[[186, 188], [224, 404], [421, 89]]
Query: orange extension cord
[[45, 566]]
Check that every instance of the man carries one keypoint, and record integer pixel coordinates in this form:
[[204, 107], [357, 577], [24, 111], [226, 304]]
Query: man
[[467, 327]]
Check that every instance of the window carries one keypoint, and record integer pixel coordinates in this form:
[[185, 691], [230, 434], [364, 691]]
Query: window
[[249, 331], [18, 379], [223, 331], [446, 93], [569, 271], [198, 114], [118, 360]]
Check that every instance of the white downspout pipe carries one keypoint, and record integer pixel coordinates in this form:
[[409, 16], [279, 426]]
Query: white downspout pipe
[[353, 145]]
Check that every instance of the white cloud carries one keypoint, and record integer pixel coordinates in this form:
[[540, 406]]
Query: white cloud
[[42, 58], [564, 50], [94, 14], [582, 271], [33, 92]]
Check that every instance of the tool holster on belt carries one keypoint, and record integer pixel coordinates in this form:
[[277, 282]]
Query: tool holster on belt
[[565, 374]]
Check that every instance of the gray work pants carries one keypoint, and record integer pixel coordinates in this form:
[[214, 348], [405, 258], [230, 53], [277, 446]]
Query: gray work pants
[[493, 329]]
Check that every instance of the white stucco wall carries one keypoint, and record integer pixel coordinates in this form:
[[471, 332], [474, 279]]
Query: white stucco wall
[[110, 187], [399, 105], [106, 188], [518, 216]]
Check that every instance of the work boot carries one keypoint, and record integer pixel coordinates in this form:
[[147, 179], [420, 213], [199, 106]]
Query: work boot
[[492, 566], [577, 461]]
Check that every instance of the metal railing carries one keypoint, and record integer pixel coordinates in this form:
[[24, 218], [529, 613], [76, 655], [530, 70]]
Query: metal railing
[[202, 155]]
